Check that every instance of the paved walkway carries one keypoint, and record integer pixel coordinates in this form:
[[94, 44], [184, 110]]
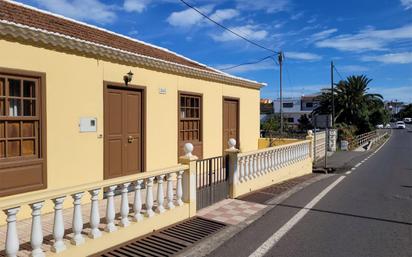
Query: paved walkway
[[234, 211], [230, 211]]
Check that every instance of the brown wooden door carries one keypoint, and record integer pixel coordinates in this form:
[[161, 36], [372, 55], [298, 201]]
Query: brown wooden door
[[123, 132], [230, 122]]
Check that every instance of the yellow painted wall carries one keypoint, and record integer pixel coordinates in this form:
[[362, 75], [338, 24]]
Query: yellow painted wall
[[74, 89], [264, 142]]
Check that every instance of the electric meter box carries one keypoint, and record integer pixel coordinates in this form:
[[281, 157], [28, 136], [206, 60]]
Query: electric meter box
[[88, 124]]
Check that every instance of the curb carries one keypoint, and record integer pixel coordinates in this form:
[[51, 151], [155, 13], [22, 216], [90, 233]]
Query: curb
[[208, 245]]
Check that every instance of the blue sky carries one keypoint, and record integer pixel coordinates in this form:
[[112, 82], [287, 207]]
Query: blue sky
[[362, 37]]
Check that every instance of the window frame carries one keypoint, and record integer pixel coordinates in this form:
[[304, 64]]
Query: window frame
[[200, 118], [287, 103], [34, 163]]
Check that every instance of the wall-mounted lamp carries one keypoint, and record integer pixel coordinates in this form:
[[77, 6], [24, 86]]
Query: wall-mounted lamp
[[128, 77]]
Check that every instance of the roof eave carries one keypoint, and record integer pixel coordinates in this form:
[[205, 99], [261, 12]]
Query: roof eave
[[55, 40]]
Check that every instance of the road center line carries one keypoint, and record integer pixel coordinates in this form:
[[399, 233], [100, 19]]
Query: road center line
[[271, 241]]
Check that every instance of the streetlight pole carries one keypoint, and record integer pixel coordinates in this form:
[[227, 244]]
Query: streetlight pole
[[280, 60], [333, 94]]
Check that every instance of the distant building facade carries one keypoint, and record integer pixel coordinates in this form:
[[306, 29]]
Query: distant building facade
[[295, 107]]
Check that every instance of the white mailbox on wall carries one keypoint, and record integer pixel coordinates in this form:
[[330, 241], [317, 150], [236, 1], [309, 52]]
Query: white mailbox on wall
[[88, 124]]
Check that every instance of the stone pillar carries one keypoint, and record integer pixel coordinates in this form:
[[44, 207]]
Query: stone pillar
[[333, 137], [189, 178], [232, 165]]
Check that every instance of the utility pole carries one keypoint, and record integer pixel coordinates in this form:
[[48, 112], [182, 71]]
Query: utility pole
[[333, 94], [280, 60]]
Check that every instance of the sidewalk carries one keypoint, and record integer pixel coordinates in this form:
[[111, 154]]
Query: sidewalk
[[235, 211], [342, 161]]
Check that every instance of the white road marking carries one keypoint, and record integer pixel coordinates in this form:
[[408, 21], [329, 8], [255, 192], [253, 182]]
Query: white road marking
[[353, 168], [357, 165], [348, 172], [271, 241]]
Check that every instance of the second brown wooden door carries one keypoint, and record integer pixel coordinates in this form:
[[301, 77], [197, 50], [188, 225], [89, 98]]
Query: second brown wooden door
[[230, 122], [123, 132]]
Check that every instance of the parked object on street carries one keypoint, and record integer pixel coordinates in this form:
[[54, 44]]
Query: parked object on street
[[407, 120], [379, 126], [388, 126], [400, 125], [344, 145]]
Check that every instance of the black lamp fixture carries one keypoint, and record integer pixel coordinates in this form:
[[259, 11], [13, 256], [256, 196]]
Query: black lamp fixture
[[128, 77]]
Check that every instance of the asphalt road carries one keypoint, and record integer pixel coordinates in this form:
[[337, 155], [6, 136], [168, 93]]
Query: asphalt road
[[369, 213]]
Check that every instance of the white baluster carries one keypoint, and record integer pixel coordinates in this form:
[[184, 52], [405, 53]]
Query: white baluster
[[274, 162], [170, 204], [248, 169], [110, 210], [137, 204], [261, 163], [160, 194], [241, 169], [58, 226], [255, 165], [264, 168], [94, 214], [124, 206], [77, 225], [179, 189], [12, 239], [36, 238], [149, 197]]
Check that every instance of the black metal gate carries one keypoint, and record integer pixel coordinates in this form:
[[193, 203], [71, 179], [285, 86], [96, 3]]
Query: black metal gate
[[212, 181]]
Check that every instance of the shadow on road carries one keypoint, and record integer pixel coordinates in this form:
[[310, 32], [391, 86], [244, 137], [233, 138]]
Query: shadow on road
[[347, 214]]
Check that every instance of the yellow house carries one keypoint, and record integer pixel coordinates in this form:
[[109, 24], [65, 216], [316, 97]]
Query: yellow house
[[81, 106]]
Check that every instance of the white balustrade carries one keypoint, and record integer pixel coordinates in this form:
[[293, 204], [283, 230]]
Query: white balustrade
[[12, 243], [255, 164], [110, 210], [160, 195], [137, 203], [124, 205], [77, 224], [149, 197], [94, 214], [58, 226]]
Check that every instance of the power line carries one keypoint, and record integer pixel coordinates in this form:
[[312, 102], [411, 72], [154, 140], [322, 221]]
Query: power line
[[226, 28], [334, 67], [247, 63]]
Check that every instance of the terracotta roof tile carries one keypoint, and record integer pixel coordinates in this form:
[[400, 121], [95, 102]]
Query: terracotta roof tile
[[30, 17]]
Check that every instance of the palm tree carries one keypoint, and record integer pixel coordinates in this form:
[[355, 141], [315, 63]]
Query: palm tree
[[353, 103]]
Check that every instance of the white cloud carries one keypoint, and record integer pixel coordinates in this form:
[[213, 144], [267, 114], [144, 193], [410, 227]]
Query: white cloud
[[252, 32], [401, 93], [353, 68], [369, 39], [135, 5], [323, 34], [302, 56], [188, 17], [397, 58], [271, 6], [407, 4], [90, 10], [265, 65], [296, 16], [224, 14]]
